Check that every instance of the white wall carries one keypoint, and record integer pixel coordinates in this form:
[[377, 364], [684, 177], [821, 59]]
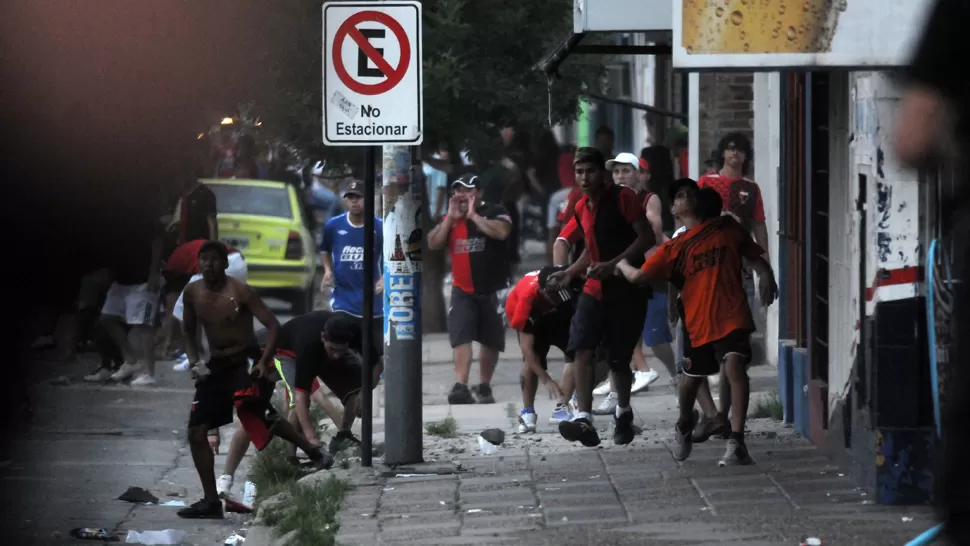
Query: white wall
[[767, 133], [844, 246], [893, 192]]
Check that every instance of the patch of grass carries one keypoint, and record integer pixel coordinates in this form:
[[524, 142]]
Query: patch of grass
[[311, 513], [445, 428], [768, 405], [271, 472]]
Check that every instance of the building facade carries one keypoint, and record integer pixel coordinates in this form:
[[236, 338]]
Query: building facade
[[849, 228]]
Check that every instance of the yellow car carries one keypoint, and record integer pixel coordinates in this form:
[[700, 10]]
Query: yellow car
[[264, 220]]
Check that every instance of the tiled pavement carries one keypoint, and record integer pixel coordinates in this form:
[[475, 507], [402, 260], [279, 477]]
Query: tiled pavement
[[632, 495]]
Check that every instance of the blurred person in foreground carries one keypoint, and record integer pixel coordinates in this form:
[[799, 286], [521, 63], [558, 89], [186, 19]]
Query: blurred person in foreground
[[934, 111]]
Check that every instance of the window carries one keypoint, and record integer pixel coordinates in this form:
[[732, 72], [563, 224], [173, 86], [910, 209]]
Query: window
[[256, 200]]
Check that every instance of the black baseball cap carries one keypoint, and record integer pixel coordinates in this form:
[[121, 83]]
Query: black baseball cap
[[353, 188], [683, 183], [466, 180]]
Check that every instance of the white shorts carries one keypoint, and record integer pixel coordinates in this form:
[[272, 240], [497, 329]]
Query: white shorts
[[557, 201], [237, 269], [134, 303]]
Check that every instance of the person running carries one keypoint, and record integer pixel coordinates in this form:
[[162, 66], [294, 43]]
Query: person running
[[691, 206], [610, 311], [740, 197], [541, 319], [626, 170], [705, 263], [226, 307], [475, 233], [342, 254], [310, 348]]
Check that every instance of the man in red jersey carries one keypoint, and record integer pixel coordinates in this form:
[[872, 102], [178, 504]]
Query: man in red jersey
[[475, 233], [614, 226]]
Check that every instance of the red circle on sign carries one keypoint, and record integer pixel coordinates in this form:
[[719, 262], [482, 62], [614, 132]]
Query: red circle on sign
[[394, 75]]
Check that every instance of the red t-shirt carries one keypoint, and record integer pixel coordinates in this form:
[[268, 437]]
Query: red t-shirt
[[742, 197], [519, 303], [683, 161], [705, 263], [185, 258], [629, 208]]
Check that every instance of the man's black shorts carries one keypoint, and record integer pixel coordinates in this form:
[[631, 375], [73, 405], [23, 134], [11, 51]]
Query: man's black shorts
[[707, 359], [616, 324], [475, 317], [549, 332], [229, 385]]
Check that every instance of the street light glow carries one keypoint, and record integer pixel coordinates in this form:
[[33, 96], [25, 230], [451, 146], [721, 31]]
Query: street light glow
[[227, 121]]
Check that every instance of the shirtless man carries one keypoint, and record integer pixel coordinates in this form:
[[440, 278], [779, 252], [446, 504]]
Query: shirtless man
[[225, 307]]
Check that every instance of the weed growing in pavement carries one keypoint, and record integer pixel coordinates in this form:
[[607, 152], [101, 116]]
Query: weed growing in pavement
[[271, 472], [768, 405], [311, 512], [445, 428]]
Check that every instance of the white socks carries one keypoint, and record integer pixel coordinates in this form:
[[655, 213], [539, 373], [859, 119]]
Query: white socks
[[620, 411], [583, 415]]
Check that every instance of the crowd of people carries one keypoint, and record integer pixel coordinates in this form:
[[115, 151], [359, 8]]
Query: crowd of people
[[636, 259], [618, 279]]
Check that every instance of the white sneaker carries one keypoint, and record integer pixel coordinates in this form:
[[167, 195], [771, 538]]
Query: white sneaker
[[224, 486], [608, 406], [573, 407], [143, 380], [103, 374], [124, 372], [642, 380], [527, 422], [560, 414], [604, 388], [181, 365]]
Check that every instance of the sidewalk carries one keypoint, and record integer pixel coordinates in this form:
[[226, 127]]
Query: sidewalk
[[540, 490]]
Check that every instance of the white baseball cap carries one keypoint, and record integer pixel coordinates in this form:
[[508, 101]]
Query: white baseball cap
[[624, 159]]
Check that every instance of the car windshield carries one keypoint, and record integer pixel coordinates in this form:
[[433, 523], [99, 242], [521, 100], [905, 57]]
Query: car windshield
[[258, 200]]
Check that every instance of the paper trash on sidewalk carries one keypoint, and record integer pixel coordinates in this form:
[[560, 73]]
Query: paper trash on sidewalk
[[488, 448], [234, 540], [173, 503], [156, 538]]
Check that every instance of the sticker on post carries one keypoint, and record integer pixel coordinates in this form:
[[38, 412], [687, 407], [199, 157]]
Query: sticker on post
[[403, 315], [343, 104], [406, 258]]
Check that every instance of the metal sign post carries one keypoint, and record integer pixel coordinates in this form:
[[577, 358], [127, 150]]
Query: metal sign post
[[373, 96]]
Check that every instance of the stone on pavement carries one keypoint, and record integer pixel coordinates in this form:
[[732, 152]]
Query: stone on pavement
[[494, 435]]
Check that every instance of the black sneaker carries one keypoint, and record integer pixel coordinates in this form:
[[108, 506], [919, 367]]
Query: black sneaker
[[580, 430], [484, 394], [460, 395], [736, 454], [321, 459], [343, 440], [202, 510], [684, 439], [716, 426], [623, 432]]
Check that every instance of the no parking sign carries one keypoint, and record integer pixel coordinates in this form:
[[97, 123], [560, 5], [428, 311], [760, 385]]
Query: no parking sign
[[372, 88]]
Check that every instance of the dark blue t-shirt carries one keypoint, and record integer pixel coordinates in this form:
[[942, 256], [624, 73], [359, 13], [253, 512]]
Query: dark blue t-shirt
[[345, 244]]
